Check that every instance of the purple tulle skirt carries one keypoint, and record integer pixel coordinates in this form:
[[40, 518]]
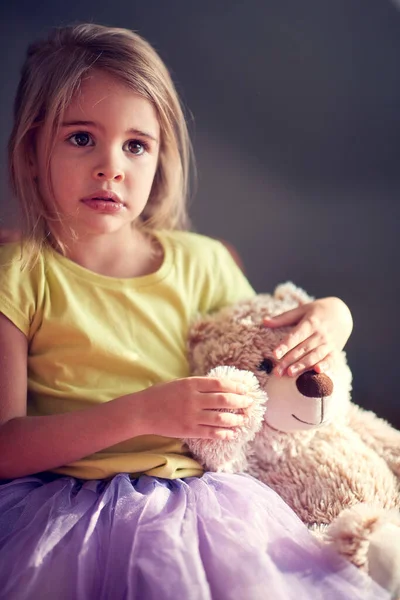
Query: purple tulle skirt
[[218, 537]]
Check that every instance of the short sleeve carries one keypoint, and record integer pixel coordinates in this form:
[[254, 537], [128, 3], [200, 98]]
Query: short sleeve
[[19, 288]]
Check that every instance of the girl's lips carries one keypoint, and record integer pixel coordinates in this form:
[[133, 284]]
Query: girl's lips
[[103, 205], [103, 195]]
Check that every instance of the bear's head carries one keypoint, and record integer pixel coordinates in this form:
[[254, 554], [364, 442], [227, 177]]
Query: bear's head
[[236, 336]]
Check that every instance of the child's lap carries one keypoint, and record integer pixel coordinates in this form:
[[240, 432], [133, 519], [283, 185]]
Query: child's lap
[[221, 536]]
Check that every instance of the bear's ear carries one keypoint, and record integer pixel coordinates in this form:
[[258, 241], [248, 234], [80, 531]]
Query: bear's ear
[[215, 325], [204, 343], [289, 291], [202, 329]]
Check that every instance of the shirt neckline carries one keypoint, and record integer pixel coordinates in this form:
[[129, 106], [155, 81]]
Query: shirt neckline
[[108, 281]]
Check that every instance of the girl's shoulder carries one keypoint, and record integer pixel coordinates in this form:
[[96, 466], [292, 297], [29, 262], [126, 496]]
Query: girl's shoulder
[[10, 251], [15, 259], [209, 267]]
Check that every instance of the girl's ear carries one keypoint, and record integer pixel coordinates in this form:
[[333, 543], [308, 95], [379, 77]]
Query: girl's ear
[[32, 161], [32, 154]]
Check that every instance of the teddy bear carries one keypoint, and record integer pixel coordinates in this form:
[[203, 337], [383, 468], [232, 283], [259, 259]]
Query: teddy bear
[[336, 464]]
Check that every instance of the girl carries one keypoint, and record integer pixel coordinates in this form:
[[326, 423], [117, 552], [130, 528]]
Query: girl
[[100, 499]]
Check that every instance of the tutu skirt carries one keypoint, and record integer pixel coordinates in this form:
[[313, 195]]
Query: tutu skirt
[[218, 537]]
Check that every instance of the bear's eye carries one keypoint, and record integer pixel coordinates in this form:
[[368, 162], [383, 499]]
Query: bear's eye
[[266, 365]]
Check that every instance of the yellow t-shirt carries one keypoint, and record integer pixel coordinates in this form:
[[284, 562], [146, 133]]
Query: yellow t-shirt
[[93, 338]]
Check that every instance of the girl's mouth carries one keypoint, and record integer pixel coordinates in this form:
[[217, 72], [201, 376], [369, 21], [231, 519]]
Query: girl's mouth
[[104, 201], [108, 205]]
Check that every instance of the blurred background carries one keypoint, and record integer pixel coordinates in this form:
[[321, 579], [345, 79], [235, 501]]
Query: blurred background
[[294, 109]]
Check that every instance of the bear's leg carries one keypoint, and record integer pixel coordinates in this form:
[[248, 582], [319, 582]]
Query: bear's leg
[[369, 537], [384, 557]]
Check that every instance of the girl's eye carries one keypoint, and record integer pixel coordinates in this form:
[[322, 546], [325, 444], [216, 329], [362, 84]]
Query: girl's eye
[[81, 139], [135, 147], [266, 365]]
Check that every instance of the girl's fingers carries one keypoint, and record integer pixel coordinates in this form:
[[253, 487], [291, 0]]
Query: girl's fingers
[[215, 401], [290, 317], [302, 332], [308, 361], [214, 433], [299, 351], [218, 385], [323, 366], [222, 420]]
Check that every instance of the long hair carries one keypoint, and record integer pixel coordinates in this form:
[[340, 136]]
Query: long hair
[[52, 74]]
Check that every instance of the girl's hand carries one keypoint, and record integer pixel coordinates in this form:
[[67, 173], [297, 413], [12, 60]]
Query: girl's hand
[[187, 408], [9, 235], [321, 328]]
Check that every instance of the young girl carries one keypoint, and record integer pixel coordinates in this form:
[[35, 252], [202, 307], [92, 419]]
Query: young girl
[[99, 498]]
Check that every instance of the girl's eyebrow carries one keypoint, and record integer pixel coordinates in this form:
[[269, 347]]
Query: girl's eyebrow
[[131, 131]]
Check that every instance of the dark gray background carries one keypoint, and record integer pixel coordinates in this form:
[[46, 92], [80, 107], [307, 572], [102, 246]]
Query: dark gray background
[[295, 115]]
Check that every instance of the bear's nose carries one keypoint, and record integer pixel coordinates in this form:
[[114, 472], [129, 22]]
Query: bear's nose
[[314, 385]]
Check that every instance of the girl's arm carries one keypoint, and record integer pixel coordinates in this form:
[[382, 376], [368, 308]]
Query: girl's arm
[[33, 444], [181, 408]]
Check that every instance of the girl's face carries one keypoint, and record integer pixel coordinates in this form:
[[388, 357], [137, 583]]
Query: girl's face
[[104, 158]]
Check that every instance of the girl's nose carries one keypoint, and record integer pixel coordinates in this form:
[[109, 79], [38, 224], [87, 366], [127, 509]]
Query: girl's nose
[[108, 170], [109, 174]]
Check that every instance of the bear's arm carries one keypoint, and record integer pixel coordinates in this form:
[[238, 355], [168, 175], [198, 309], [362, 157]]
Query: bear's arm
[[378, 434]]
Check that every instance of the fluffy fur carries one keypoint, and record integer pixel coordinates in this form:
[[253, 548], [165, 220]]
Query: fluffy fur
[[335, 464]]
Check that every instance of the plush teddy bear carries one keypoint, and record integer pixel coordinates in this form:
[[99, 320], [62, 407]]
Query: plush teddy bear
[[335, 464]]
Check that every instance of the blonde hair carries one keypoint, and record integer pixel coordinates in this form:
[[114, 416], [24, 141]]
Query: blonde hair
[[52, 74]]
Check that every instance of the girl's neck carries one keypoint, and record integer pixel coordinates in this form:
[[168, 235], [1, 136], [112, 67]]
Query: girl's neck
[[138, 254]]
